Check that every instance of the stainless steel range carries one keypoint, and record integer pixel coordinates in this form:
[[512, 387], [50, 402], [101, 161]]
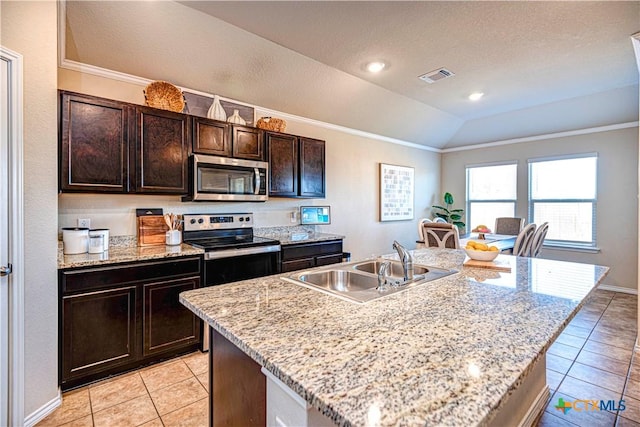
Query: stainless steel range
[[232, 252]]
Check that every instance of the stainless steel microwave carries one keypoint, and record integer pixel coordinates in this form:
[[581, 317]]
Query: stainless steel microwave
[[213, 178]]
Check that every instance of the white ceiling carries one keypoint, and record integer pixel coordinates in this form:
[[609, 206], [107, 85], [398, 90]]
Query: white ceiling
[[544, 66]]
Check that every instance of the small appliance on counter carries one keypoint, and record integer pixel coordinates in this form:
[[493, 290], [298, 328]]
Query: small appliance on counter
[[75, 240]]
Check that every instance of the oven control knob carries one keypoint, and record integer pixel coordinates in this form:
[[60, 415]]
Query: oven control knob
[[200, 221], [193, 221], [247, 219], [241, 219]]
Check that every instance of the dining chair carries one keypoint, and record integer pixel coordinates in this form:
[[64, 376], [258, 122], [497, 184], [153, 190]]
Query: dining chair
[[538, 239], [508, 225], [523, 241], [420, 233], [441, 235], [440, 220]]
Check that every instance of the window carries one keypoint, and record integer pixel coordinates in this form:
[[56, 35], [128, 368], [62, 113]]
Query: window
[[562, 192], [491, 193]]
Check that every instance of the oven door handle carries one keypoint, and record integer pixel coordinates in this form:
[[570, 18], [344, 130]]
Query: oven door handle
[[229, 253], [256, 180]]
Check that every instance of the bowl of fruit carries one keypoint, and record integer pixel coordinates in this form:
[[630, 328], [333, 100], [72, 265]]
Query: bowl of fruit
[[481, 251]]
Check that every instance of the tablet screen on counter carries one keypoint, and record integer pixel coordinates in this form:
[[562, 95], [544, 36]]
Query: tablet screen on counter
[[315, 215]]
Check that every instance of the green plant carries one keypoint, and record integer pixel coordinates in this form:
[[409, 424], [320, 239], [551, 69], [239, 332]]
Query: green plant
[[452, 216]]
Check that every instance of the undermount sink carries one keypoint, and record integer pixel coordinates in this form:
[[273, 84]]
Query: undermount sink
[[358, 281]]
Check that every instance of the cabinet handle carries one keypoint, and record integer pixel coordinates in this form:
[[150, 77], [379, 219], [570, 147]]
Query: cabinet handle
[[5, 270]]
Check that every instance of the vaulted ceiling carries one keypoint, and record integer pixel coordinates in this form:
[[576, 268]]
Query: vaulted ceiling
[[544, 67]]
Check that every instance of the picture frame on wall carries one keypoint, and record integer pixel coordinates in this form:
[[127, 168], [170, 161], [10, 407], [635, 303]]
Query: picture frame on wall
[[396, 192], [198, 105]]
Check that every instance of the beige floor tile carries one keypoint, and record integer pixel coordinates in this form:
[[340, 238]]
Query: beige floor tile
[[75, 405], [614, 328], [558, 364], [165, 374], [548, 419], [116, 390], [589, 316], [198, 362], [603, 362], [632, 409], [623, 355], [153, 423], [633, 388], [577, 331], [130, 413], [613, 339], [571, 340], [584, 418], [583, 323], [204, 380], [562, 350], [554, 379], [634, 372], [178, 395], [598, 377], [194, 415], [578, 389], [80, 422], [623, 422]]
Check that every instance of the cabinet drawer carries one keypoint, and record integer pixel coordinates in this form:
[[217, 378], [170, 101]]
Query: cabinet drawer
[[311, 249], [74, 281], [329, 259], [298, 264]]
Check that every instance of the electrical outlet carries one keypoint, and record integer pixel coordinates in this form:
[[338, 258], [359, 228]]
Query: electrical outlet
[[84, 222], [294, 216]]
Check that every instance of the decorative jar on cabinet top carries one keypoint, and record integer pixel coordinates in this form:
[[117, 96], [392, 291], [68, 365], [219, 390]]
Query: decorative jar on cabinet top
[[235, 118], [216, 111]]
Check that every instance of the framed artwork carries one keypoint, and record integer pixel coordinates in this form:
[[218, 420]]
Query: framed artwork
[[198, 105], [396, 192]]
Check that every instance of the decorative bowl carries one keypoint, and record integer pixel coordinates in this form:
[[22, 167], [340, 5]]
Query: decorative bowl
[[482, 255]]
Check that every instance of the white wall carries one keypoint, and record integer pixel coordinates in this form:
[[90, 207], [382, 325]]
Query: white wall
[[29, 28], [352, 184], [617, 206]]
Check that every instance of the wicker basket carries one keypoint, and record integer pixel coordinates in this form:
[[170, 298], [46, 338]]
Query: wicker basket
[[165, 96], [271, 123]]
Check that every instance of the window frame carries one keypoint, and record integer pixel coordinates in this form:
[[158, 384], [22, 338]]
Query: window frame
[[469, 201], [575, 244]]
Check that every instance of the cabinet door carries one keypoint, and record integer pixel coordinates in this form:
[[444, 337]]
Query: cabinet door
[[248, 143], [167, 323], [93, 144], [312, 168], [98, 331], [211, 137], [162, 148], [283, 164]]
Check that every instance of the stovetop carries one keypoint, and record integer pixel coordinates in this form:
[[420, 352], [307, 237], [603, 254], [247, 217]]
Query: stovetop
[[213, 232], [227, 242]]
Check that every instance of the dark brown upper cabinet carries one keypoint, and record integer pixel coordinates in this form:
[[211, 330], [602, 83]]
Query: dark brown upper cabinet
[[94, 144], [116, 147], [227, 140], [162, 149], [296, 166]]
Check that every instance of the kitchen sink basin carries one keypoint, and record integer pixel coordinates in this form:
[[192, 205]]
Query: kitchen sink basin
[[358, 281], [395, 270]]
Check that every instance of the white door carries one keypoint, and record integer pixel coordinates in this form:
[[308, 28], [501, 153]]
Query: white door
[[11, 249]]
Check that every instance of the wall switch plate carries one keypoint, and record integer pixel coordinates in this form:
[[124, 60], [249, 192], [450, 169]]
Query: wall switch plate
[[294, 216], [84, 222]]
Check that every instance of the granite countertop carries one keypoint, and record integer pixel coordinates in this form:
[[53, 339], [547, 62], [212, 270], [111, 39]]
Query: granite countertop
[[447, 352], [124, 249], [295, 234]]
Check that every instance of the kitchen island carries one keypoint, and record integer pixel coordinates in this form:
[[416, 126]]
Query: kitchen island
[[467, 349]]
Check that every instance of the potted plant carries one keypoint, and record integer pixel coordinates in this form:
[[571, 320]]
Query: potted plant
[[452, 216]]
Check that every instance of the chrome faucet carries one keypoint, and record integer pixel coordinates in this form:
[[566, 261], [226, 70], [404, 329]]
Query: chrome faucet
[[383, 273], [406, 259]]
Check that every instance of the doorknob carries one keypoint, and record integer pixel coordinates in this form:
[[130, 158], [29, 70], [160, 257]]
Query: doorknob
[[5, 271]]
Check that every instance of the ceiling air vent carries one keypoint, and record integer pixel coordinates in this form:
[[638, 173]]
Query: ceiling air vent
[[435, 75]]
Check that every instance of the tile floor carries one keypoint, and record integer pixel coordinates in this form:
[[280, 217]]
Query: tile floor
[[592, 359]]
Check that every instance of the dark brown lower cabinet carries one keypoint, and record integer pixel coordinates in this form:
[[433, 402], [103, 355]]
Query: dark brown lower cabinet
[[121, 317], [299, 256]]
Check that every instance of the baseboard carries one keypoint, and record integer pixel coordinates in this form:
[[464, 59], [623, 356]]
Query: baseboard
[[46, 409], [534, 412], [618, 289]]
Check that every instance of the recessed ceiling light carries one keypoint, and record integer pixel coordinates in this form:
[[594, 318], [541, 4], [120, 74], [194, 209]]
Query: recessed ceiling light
[[476, 96], [375, 67]]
